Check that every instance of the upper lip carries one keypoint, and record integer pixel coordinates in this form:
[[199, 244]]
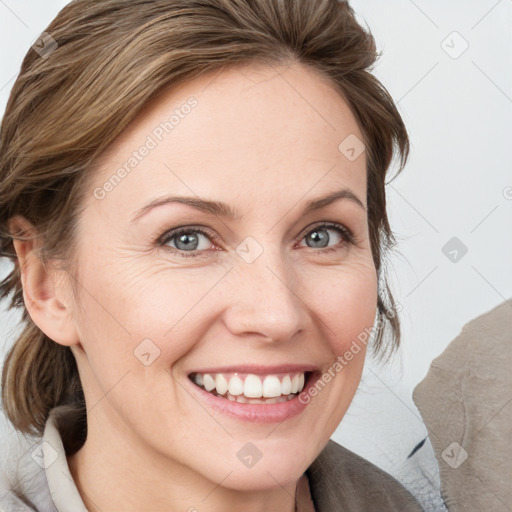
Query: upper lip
[[258, 369]]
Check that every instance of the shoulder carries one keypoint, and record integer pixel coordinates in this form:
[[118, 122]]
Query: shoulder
[[463, 398], [340, 480], [36, 477], [21, 478], [482, 343]]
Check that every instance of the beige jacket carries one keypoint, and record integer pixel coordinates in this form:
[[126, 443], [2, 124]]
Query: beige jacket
[[466, 403], [337, 481]]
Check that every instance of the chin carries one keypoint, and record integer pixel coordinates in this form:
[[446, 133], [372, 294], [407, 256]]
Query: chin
[[275, 472]]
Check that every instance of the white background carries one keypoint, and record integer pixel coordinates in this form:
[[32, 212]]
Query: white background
[[459, 115]]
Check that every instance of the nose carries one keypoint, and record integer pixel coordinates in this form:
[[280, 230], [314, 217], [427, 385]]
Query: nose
[[265, 300]]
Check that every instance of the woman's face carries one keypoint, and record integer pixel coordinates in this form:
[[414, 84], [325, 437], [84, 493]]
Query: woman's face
[[248, 302]]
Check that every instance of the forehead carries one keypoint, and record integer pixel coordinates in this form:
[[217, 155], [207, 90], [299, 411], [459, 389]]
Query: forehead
[[255, 132]]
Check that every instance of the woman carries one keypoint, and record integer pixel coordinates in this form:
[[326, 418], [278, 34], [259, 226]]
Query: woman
[[193, 194]]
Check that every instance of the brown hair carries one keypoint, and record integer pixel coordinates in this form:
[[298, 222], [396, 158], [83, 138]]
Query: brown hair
[[110, 59]]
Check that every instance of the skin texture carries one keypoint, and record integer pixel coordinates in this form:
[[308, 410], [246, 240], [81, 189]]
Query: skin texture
[[265, 141]]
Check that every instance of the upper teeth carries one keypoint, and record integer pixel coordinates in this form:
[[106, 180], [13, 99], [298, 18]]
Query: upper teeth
[[251, 385]]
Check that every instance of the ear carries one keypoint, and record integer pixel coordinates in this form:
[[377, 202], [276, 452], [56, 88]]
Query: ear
[[45, 290]]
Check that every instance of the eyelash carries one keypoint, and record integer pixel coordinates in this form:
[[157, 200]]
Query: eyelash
[[170, 235]]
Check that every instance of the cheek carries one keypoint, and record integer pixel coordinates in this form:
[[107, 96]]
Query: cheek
[[132, 309], [347, 306]]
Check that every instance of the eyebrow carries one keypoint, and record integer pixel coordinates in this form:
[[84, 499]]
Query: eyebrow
[[223, 210]]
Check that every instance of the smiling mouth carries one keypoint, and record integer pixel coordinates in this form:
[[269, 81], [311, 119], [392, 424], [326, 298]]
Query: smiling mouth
[[249, 388]]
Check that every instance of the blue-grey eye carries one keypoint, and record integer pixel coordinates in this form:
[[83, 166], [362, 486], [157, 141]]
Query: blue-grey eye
[[188, 240], [320, 237]]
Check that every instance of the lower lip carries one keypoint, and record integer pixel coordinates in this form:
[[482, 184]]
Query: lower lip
[[256, 413]]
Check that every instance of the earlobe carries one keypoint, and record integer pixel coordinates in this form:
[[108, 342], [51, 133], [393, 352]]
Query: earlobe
[[43, 286]]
